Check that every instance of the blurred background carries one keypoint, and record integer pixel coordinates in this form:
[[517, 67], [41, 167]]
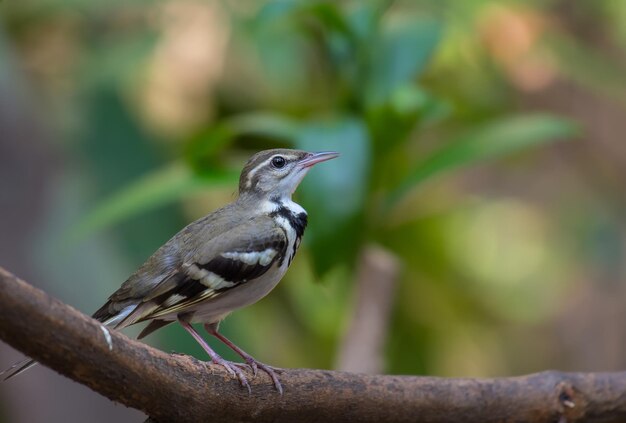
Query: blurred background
[[474, 225]]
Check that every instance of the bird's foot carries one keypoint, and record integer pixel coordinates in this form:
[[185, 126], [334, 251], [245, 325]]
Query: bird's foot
[[234, 370], [271, 371]]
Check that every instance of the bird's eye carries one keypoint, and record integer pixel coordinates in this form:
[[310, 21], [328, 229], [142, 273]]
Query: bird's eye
[[278, 162]]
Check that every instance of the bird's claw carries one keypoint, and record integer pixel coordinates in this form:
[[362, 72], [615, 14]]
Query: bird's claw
[[276, 369], [235, 371], [249, 364], [271, 371], [254, 367]]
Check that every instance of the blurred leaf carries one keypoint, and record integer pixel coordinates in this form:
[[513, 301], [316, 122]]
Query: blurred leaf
[[364, 18], [155, 189], [408, 106], [213, 139], [277, 53], [172, 183], [494, 139], [275, 9], [268, 124], [110, 61], [334, 192], [116, 149], [331, 16], [406, 100], [399, 56], [208, 142], [599, 72]]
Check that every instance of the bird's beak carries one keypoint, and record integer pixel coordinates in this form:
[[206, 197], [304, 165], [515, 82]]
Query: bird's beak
[[314, 158]]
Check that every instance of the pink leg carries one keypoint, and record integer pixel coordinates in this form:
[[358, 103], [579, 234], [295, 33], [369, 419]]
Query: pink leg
[[215, 356], [212, 330]]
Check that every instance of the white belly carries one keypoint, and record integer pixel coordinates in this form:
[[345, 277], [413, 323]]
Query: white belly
[[216, 309]]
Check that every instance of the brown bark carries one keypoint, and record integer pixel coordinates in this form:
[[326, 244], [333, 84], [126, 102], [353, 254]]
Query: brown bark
[[175, 388]]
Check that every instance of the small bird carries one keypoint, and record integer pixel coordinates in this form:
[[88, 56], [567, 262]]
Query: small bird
[[224, 261]]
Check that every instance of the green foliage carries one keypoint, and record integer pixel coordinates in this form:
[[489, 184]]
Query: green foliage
[[338, 192], [376, 62], [153, 190], [488, 141], [398, 56], [406, 91]]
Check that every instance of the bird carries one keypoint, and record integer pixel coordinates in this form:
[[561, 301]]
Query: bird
[[226, 260]]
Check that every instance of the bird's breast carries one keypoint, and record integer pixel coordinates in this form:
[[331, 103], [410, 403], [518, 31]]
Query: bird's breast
[[292, 218], [240, 296]]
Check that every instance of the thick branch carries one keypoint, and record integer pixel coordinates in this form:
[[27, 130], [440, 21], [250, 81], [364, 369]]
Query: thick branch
[[182, 389]]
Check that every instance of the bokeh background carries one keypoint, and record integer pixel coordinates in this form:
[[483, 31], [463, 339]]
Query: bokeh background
[[474, 225]]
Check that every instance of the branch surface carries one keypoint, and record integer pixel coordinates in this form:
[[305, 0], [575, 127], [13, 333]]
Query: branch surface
[[177, 388]]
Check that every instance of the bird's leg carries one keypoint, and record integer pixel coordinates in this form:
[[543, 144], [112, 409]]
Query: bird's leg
[[215, 357], [254, 364]]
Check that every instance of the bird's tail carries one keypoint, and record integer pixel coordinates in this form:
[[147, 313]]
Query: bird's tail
[[25, 364]]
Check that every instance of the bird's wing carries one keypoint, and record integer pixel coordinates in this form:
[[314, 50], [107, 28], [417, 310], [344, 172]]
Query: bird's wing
[[236, 257], [162, 271]]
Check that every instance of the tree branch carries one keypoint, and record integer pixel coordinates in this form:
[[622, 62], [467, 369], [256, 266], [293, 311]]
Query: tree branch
[[182, 389]]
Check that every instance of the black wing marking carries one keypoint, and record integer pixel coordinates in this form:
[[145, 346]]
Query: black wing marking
[[220, 274], [234, 270], [230, 259], [152, 326]]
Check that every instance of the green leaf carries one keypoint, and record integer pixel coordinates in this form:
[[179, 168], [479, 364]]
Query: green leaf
[[399, 56], [275, 54], [273, 10], [153, 190], [267, 124], [334, 192], [492, 140], [408, 106], [207, 143], [214, 139], [364, 18], [331, 16]]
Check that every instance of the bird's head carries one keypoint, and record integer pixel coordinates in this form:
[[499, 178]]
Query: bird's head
[[277, 173]]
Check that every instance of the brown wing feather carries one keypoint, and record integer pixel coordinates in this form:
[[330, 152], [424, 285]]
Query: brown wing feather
[[191, 284]]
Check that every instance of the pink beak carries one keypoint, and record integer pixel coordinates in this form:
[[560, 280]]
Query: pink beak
[[314, 158]]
